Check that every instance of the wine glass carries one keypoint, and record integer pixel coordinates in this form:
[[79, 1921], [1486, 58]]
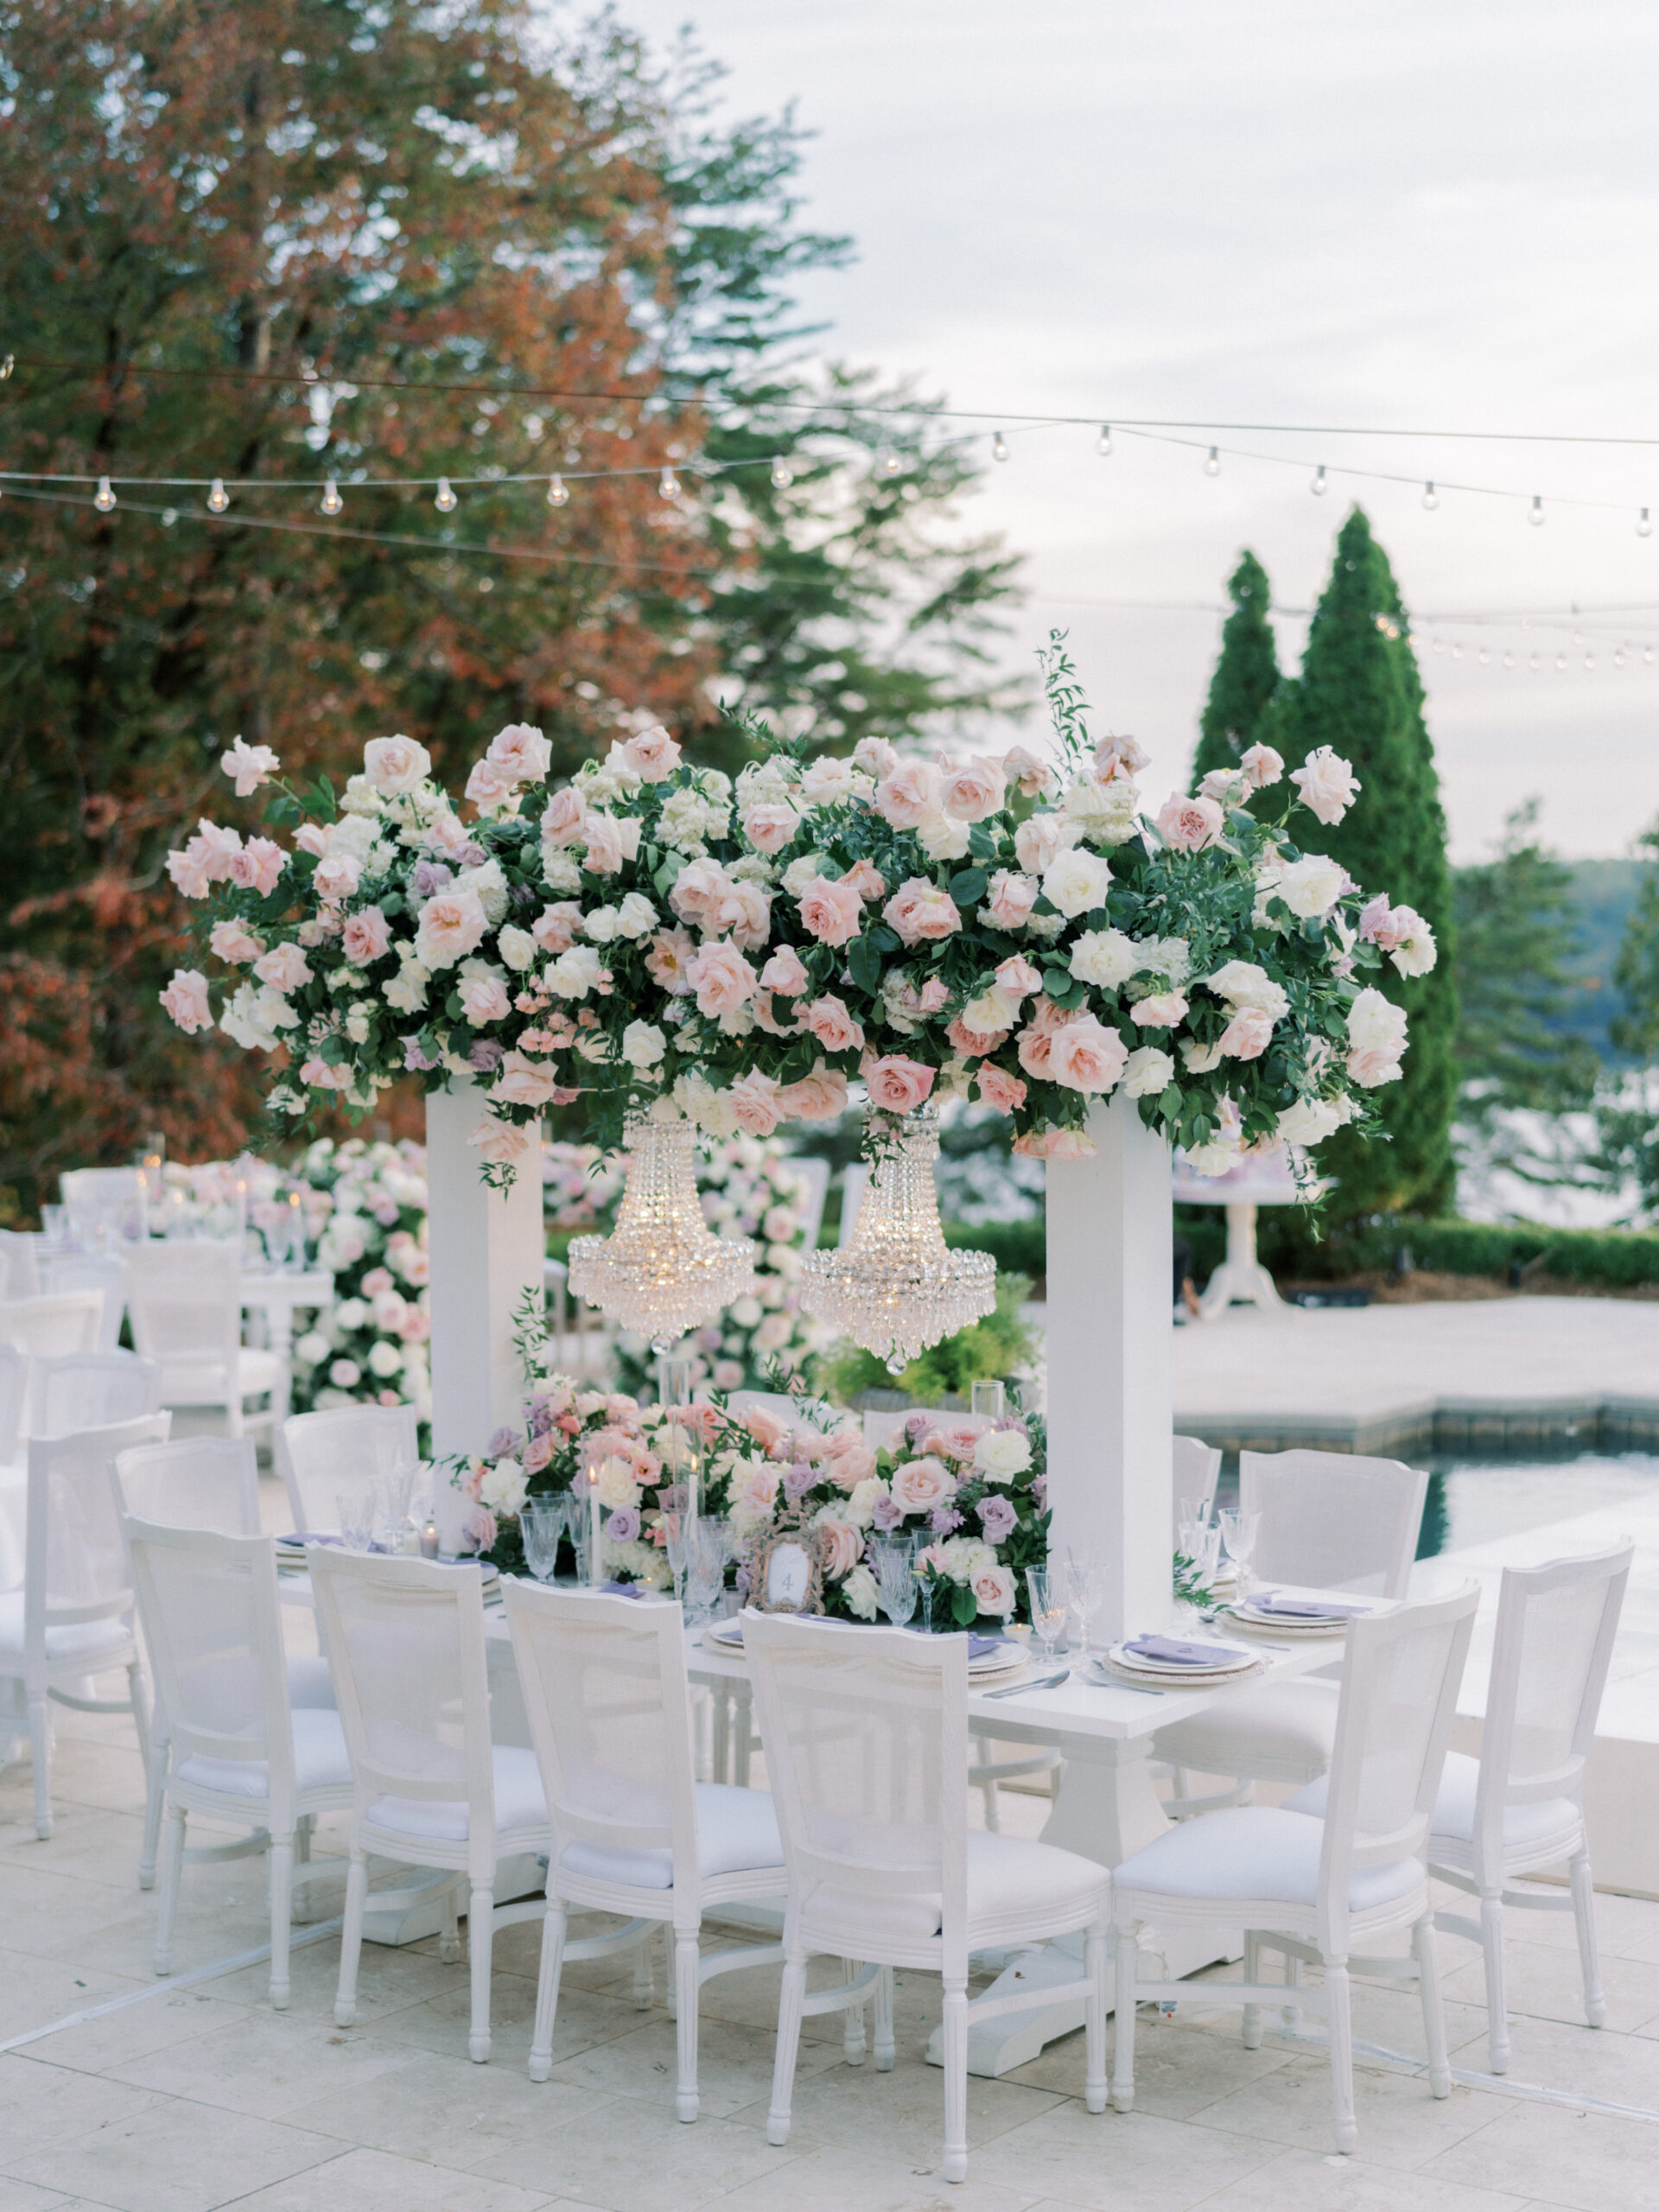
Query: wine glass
[[895, 1576], [708, 1552], [1238, 1534], [1050, 1604], [677, 1527], [355, 1511], [542, 1527], [1087, 1578]]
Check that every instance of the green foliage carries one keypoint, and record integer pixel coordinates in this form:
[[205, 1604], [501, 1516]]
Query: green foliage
[[1517, 921], [1613, 1259], [1636, 1027], [987, 1351], [1359, 692], [1020, 1248], [1238, 711]]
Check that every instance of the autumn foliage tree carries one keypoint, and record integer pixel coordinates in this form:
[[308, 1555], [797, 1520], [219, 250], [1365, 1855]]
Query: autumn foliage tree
[[297, 240]]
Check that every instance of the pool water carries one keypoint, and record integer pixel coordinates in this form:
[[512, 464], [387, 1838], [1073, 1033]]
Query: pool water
[[1475, 1501]]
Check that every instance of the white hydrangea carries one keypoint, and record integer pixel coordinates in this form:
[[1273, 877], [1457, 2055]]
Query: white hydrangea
[[1104, 813], [561, 870], [807, 869], [490, 886]]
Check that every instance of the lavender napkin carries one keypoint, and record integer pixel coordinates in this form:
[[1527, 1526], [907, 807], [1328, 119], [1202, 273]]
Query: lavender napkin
[[621, 1590], [1171, 1649], [1316, 1609]]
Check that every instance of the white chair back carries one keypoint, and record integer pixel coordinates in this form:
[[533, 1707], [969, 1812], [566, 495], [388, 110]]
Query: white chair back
[[341, 1450], [185, 1302], [213, 1626], [14, 1397], [104, 1204], [1554, 1645], [1399, 1678], [405, 1640], [855, 1180], [866, 1737], [195, 1481], [19, 1269], [77, 1564], [1195, 1470], [48, 1327], [1333, 1520], [606, 1693], [90, 1389], [102, 1271]]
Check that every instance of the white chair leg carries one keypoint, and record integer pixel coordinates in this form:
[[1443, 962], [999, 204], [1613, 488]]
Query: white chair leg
[[956, 2080], [1583, 1915], [790, 1998], [986, 1786], [40, 1746], [671, 1998], [852, 2031], [1426, 1951], [1291, 2017], [1497, 2017], [886, 2049], [302, 1839], [154, 1803], [644, 1983], [138, 1699], [279, 1857], [1250, 2030], [480, 1937], [686, 1956], [350, 1938], [449, 1925], [1128, 1950], [1094, 2021], [166, 1904], [1340, 2025], [547, 1989]]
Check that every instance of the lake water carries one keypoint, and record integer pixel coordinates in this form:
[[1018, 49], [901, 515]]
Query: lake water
[[1474, 1501]]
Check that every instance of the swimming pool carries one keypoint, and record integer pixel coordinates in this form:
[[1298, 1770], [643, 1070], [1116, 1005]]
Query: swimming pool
[[1474, 1501]]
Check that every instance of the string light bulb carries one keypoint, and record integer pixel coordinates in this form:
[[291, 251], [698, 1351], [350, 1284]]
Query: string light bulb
[[782, 476], [668, 485], [103, 498], [1536, 512], [887, 462], [1534, 664], [1561, 660], [1319, 486], [1508, 660], [219, 498], [446, 502], [1430, 496], [1212, 462], [331, 502], [1618, 657], [1104, 442], [1456, 653], [557, 492], [1644, 524], [1589, 660], [1483, 656], [1440, 645], [1647, 656], [999, 447]]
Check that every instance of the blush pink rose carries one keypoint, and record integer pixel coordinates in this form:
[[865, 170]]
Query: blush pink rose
[[765, 1428], [866, 879], [999, 1088], [1162, 1011], [1190, 824], [555, 929], [1371, 1064], [721, 978], [668, 961], [743, 912], [698, 888], [565, 820], [1247, 1035], [993, 1588], [1035, 1045], [490, 784], [1010, 900], [500, 1142], [754, 1102], [521, 751], [1051, 1143], [523, 1082], [233, 941], [653, 754], [897, 1085], [451, 925], [921, 911], [1087, 1056], [817, 1097], [611, 839], [338, 875], [1025, 768], [1327, 784], [1038, 841], [769, 825], [975, 1043], [909, 794], [311, 837], [284, 967], [365, 936], [1118, 756], [970, 789], [841, 1546], [1262, 766], [535, 1454], [396, 764], [920, 1485], [185, 1001], [832, 912], [849, 1461], [833, 1026], [259, 865], [483, 998], [1018, 977], [784, 973]]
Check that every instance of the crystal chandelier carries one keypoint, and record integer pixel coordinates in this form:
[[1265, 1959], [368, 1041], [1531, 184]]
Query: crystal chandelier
[[896, 1288], [662, 1270]]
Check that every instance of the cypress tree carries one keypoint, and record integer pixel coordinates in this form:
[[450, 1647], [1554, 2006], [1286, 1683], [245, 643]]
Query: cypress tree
[[1360, 693], [1247, 674]]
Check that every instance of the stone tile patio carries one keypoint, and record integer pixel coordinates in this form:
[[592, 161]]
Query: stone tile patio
[[200, 2098]]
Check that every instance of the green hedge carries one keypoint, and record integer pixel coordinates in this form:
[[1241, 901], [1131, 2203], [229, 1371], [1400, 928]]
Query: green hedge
[[1020, 1248]]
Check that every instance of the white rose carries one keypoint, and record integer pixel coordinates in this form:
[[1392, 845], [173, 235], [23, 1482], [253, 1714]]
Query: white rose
[[636, 917], [643, 1044], [1311, 887], [516, 947], [828, 780], [746, 1312], [1106, 959], [1241, 983], [1416, 952], [943, 837], [357, 1025], [504, 1487], [385, 1359], [1199, 1058], [406, 992], [1327, 785], [311, 1347], [1309, 1121], [1000, 1453], [992, 1010], [600, 925], [490, 885], [1075, 881], [576, 972], [351, 1313], [1148, 1072], [858, 1589], [860, 1507], [1375, 1024]]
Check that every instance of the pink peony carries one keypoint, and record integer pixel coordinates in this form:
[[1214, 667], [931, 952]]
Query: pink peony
[[833, 1026], [971, 790], [754, 1100], [999, 1088], [1087, 1056], [365, 937], [841, 1547], [769, 825], [1327, 784], [501, 1142], [185, 1001], [1189, 824], [831, 911], [897, 1085], [338, 876], [921, 911], [1010, 900], [909, 794], [259, 865], [556, 930], [523, 753], [284, 967], [668, 961], [920, 1485], [565, 820], [396, 764], [721, 978], [1247, 1035], [653, 754], [817, 1097], [784, 973], [866, 880], [233, 941]]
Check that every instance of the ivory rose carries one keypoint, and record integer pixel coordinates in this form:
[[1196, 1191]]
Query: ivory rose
[[1075, 881], [490, 785], [248, 766], [832, 912], [450, 926], [1377, 1037], [921, 911], [827, 780], [642, 1045], [769, 826], [565, 820], [1247, 1035], [817, 1097], [897, 1085], [999, 1088], [1190, 824], [1041, 839], [610, 839], [1106, 959], [284, 967], [920, 1485], [233, 941], [394, 765], [365, 936], [1010, 900], [755, 1102], [1312, 885], [1327, 785], [653, 754], [1413, 951], [1148, 1071], [697, 888], [521, 1081], [970, 789], [830, 1021], [784, 973], [1087, 1056], [875, 756], [721, 978], [995, 1008], [1241, 983], [522, 751], [185, 1001], [1161, 1011], [743, 911], [556, 930], [907, 796]]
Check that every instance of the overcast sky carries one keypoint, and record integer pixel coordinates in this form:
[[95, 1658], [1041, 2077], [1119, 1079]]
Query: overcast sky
[[1411, 216]]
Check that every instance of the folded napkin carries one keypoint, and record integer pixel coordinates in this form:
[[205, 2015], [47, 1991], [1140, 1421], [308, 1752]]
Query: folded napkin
[[1171, 1648], [621, 1590], [1315, 1609]]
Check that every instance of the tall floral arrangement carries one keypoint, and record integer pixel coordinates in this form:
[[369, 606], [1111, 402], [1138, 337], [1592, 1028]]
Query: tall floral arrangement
[[364, 1207]]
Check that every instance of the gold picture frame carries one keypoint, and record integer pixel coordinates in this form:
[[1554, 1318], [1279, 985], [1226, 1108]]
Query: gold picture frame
[[786, 1571]]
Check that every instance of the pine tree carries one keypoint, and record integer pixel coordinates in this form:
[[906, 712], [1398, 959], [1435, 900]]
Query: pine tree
[[1636, 1027], [1241, 691], [1359, 692]]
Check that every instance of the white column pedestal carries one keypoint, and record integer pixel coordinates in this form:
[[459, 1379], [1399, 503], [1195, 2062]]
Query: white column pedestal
[[1240, 1279]]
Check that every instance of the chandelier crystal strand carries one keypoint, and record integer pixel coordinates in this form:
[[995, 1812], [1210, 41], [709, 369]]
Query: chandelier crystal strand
[[662, 1270], [896, 1288]]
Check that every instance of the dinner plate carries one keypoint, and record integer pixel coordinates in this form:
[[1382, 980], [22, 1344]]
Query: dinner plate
[[1164, 1679], [1005, 1657], [1274, 1624], [292, 1554], [1134, 1663]]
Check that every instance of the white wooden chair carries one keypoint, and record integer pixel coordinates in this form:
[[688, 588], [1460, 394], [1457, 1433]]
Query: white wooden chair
[[605, 1687], [342, 1449], [236, 1750], [104, 1202], [19, 1265], [90, 1389], [1518, 1808], [1196, 1470], [185, 1301], [100, 1271], [865, 1735], [49, 1328], [73, 1618], [1330, 1521], [14, 1400], [1321, 1892], [405, 1638]]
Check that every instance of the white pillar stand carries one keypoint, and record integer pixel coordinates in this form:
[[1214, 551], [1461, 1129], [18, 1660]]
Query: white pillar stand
[[1240, 1279]]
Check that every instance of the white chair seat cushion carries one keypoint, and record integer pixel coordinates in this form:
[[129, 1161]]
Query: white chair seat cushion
[[737, 1831], [1289, 1726], [310, 1685], [321, 1762], [74, 1640], [519, 1803], [1262, 1852], [1454, 1809], [1008, 1875]]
